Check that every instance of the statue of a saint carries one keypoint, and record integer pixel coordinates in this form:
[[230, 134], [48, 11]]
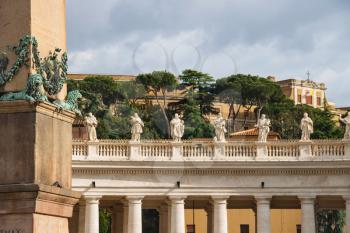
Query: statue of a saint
[[177, 128], [220, 129], [346, 121], [307, 127], [264, 128], [136, 129], [91, 123]]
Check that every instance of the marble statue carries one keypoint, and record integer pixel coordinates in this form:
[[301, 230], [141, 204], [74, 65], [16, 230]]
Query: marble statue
[[91, 123], [220, 129], [307, 127], [136, 129], [346, 121], [264, 128], [177, 128]]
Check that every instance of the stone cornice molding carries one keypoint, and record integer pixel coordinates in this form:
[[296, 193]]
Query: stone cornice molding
[[42, 108], [77, 171]]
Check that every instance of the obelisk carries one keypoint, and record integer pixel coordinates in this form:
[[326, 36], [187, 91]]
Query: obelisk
[[44, 19], [35, 138]]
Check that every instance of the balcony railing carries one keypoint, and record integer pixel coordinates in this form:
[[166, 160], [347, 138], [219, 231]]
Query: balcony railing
[[163, 150]]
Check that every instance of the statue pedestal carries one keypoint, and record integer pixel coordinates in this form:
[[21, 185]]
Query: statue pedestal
[[261, 151], [135, 150], [36, 162], [219, 150], [305, 150], [177, 151]]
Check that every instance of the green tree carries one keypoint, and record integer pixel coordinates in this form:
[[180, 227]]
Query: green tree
[[105, 221], [199, 87], [246, 91], [330, 221], [285, 118], [159, 83]]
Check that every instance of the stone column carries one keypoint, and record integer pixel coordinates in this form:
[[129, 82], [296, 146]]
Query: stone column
[[177, 214], [81, 227], [263, 214], [220, 214], [135, 214], [163, 218], [210, 219], [307, 214], [92, 214], [347, 208]]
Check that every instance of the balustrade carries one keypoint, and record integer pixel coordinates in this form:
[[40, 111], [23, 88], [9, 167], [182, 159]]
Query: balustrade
[[163, 150]]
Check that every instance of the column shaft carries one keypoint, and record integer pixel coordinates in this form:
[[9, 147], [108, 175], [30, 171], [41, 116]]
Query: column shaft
[[92, 215], [135, 214], [177, 214], [263, 215], [308, 215], [220, 215]]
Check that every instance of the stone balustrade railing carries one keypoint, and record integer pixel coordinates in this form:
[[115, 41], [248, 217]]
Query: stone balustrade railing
[[163, 150]]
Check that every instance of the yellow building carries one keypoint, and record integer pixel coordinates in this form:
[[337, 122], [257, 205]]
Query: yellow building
[[243, 221], [304, 91]]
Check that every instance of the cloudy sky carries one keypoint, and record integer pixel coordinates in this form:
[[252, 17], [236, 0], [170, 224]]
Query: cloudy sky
[[283, 38]]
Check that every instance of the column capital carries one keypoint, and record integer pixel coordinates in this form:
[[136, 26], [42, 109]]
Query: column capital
[[263, 199], [307, 199], [92, 199], [134, 199], [219, 199], [177, 198], [346, 198]]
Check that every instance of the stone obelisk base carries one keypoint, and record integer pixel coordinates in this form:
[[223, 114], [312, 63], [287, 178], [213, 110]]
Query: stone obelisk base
[[32, 208], [36, 168]]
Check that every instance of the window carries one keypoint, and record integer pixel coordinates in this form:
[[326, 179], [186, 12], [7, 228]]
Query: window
[[309, 99], [298, 228], [299, 98], [191, 228], [319, 101], [244, 228]]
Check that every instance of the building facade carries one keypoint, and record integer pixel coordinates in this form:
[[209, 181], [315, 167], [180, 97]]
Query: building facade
[[233, 187], [304, 92]]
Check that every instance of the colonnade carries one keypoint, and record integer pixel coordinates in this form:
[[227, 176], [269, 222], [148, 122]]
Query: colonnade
[[127, 218]]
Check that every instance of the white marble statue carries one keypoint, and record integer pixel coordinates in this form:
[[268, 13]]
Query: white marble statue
[[177, 128], [91, 123], [346, 121], [220, 129], [264, 128], [307, 127], [136, 129]]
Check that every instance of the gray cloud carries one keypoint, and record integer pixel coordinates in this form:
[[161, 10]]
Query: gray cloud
[[284, 38]]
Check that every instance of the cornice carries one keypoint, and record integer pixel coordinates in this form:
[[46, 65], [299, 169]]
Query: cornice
[[212, 171], [47, 109]]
